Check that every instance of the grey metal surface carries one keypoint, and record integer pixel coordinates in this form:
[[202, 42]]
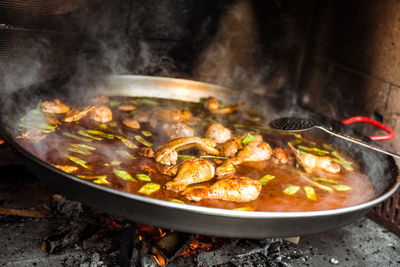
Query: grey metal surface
[[195, 219]]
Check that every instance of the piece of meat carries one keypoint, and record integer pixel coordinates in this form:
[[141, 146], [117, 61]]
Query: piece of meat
[[52, 120], [172, 115], [310, 162], [126, 107], [32, 134], [177, 130], [225, 169], [101, 100], [148, 170], [75, 115], [230, 147], [67, 168], [218, 132], [191, 171], [168, 153], [54, 106], [131, 123], [254, 151], [167, 170], [211, 103], [281, 155], [227, 110], [240, 189], [146, 152], [101, 114]]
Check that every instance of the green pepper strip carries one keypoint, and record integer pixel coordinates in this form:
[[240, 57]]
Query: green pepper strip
[[79, 151], [113, 163], [113, 124], [149, 188], [125, 154], [313, 149], [102, 134], [124, 175], [143, 177], [141, 140], [147, 133], [345, 163], [127, 142], [103, 126], [177, 201], [81, 132], [186, 157], [247, 139], [77, 137], [83, 146], [114, 103], [341, 187], [266, 178], [321, 179], [78, 161], [245, 209], [143, 101], [213, 157]]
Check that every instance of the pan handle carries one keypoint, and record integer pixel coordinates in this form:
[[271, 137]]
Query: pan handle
[[390, 133]]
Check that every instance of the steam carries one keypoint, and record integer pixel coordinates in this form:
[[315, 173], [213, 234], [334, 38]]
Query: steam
[[230, 59]]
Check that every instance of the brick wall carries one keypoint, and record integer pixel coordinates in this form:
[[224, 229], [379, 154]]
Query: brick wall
[[353, 62]]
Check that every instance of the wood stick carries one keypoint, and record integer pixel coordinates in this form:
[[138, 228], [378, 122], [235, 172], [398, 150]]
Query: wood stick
[[23, 213]]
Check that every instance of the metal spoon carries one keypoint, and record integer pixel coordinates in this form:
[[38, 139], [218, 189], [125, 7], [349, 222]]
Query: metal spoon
[[297, 124]]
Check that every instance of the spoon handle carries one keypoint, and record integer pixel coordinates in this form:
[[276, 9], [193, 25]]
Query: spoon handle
[[358, 141]]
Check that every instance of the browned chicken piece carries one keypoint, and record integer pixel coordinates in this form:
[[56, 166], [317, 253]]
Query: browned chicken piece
[[67, 168], [227, 110], [101, 114], [52, 120], [168, 153], [191, 171], [240, 189], [211, 103], [142, 117], [32, 134], [54, 106], [131, 123], [146, 152], [254, 151], [148, 170], [225, 169], [218, 132], [101, 100], [177, 130], [126, 107], [168, 170], [231, 146], [281, 155], [173, 115], [76, 115], [309, 162]]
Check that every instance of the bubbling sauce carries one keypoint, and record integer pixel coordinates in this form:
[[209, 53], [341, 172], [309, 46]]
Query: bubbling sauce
[[105, 156]]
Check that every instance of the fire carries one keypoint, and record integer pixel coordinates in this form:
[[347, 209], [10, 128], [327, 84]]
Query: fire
[[195, 247], [158, 256]]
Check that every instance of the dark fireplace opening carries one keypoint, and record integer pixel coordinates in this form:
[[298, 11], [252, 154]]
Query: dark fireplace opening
[[336, 58]]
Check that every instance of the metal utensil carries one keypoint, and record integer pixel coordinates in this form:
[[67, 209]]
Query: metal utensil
[[298, 124]]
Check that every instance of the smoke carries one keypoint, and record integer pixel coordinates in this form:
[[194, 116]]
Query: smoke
[[230, 59]]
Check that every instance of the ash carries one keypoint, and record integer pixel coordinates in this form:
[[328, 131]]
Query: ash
[[71, 234]]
